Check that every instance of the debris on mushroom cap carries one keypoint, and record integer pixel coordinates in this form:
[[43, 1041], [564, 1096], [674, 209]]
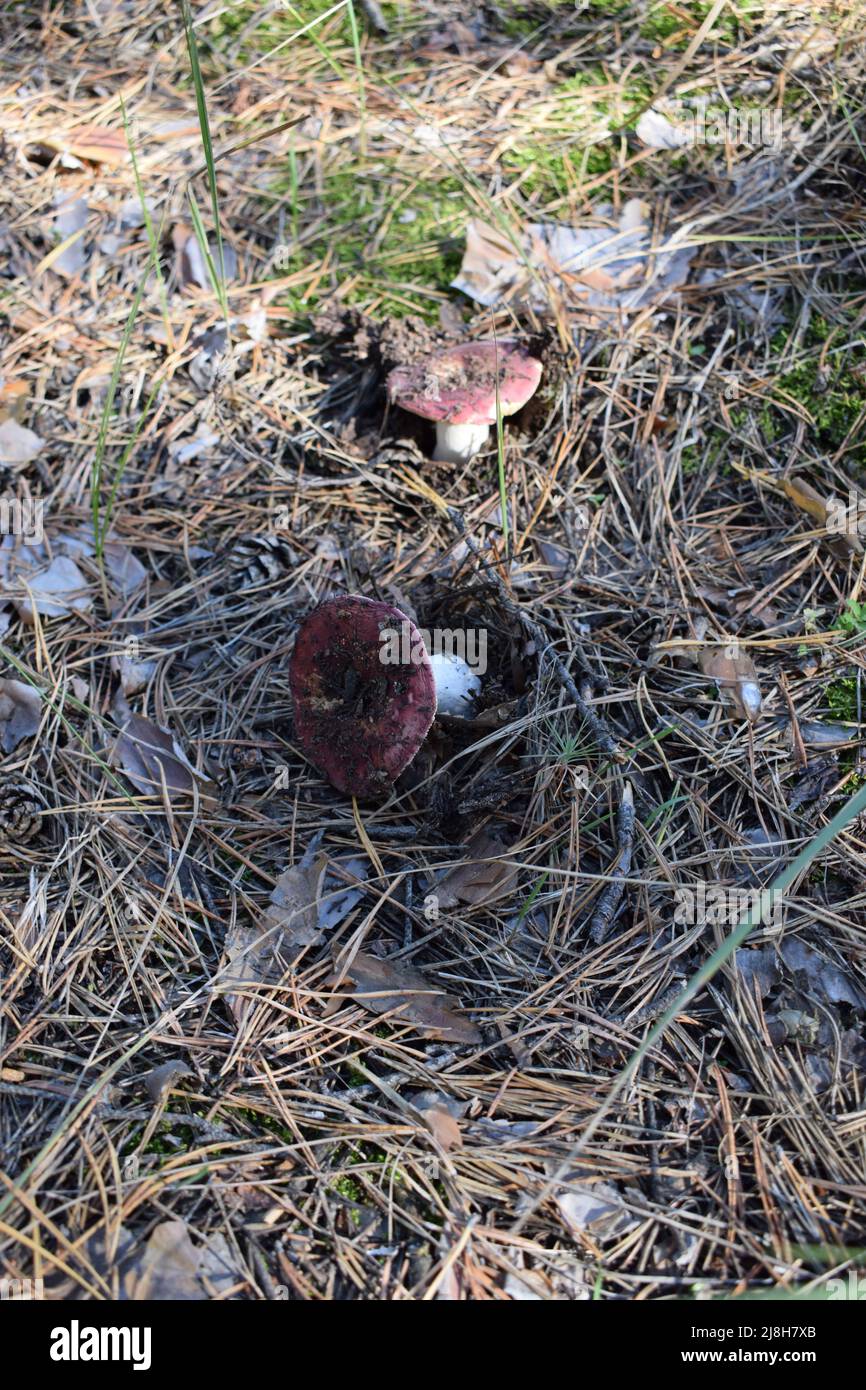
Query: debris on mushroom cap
[[359, 718], [458, 385]]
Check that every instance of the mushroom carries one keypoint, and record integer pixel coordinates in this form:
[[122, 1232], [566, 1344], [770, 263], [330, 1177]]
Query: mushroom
[[456, 685], [360, 714], [457, 389]]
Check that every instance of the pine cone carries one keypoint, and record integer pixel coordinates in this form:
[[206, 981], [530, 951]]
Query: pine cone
[[400, 451], [21, 810], [255, 560]]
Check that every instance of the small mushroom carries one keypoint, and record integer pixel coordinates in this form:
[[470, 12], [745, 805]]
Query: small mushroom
[[457, 389], [360, 714], [457, 685]]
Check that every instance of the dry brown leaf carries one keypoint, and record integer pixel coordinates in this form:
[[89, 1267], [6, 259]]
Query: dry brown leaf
[[134, 675], [56, 591], [608, 263], [294, 905], [483, 878], [163, 1079], [20, 713], [149, 756], [69, 256], [555, 557], [125, 571], [443, 1127], [168, 1267], [733, 670], [95, 143], [804, 496], [192, 267], [384, 987], [830, 513], [595, 1209], [262, 954]]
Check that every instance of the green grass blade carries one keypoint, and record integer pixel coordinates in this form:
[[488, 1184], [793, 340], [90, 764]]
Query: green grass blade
[[207, 145], [216, 281], [359, 71], [153, 238]]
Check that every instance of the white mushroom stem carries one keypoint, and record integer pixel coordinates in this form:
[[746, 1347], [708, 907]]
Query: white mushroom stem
[[457, 685], [458, 443]]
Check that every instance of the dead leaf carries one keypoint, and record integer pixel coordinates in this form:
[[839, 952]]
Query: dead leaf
[[97, 144], [192, 266], [13, 398], [384, 987], [603, 266], [733, 670], [18, 445], [261, 954], [149, 756], [442, 1125], [655, 130], [163, 1079], [125, 571], [554, 557], [70, 224], [820, 975], [295, 901], [337, 902], [134, 674], [20, 713], [806, 498], [53, 592], [594, 1209], [483, 878], [169, 1268], [842, 521]]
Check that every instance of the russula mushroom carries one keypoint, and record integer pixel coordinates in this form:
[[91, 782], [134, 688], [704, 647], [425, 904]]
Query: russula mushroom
[[360, 720], [457, 388], [365, 692], [456, 685]]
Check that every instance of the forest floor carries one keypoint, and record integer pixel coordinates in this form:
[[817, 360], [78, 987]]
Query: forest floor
[[220, 1075]]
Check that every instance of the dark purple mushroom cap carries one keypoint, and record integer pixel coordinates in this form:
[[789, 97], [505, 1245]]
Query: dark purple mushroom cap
[[458, 385], [358, 719]]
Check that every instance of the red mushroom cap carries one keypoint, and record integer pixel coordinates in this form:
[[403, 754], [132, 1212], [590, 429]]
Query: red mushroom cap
[[459, 384], [358, 719]]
